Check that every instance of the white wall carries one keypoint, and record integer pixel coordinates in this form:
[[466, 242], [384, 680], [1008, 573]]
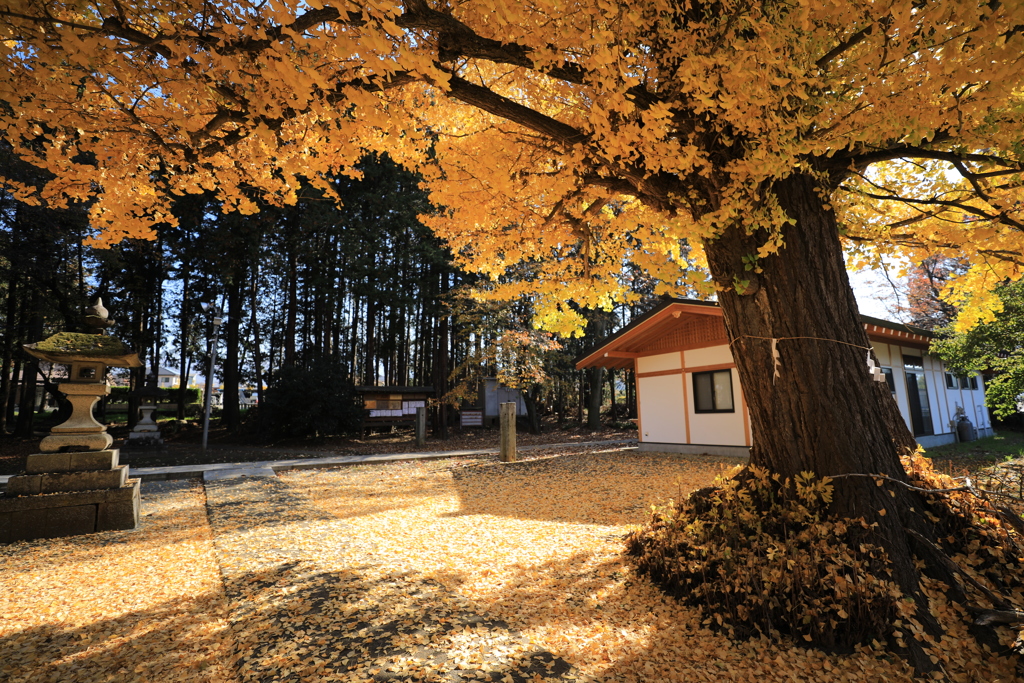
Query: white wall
[[664, 361], [943, 401], [712, 355], [661, 408], [661, 398]]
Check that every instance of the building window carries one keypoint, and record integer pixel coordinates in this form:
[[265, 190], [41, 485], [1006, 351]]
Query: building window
[[712, 392], [889, 379], [951, 382], [974, 382]]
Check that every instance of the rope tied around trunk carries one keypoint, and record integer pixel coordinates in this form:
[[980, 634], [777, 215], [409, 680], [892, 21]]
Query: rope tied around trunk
[[876, 376]]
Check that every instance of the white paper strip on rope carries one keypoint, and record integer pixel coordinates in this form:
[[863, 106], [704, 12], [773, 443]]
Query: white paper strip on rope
[[874, 370], [775, 356]]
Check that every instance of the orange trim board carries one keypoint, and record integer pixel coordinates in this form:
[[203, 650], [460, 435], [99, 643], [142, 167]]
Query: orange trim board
[[686, 408], [660, 373], [709, 368], [680, 371]]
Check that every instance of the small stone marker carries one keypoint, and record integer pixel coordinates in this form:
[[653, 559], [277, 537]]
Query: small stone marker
[[421, 427], [507, 411]]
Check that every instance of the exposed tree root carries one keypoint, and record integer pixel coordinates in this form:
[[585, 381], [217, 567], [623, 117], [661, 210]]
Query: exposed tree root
[[762, 555]]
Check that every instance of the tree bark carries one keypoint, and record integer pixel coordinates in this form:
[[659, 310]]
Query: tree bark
[[183, 326], [257, 342], [26, 407], [7, 364], [292, 306], [230, 407], [822, 413]]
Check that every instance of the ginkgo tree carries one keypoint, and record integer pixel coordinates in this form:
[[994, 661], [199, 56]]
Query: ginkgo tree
[[576, 135]]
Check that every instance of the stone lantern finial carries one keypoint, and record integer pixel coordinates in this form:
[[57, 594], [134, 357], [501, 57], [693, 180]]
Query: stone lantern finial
[[96, 317]]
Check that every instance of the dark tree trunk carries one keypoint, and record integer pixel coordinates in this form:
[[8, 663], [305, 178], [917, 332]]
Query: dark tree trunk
[[370, 345], [257, 343], [612, 412], [530, 397], [183, 339], [26, 408], [803, 299], [230, 407], [822, 413], [6, 366], [291, 312], [594, 398]]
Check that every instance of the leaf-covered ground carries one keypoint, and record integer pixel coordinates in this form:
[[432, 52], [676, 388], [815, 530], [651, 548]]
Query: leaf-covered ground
[[453, 570], [142, 605]]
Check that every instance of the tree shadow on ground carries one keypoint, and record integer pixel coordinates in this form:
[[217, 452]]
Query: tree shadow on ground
[[293, 624]]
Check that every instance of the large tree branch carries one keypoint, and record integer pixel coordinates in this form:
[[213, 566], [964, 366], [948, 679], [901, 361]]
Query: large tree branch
[[916, 152], [1001, 217], [854, 39], [456, 40]]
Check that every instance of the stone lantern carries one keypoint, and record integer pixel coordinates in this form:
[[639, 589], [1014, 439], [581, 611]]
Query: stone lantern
[[146, 433], [75, 484]]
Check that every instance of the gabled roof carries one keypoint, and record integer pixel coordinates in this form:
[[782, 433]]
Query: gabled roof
[[678, 324]]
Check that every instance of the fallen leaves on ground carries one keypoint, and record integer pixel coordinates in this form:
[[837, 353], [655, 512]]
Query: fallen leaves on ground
[[142, 605], [447, 570], [538, 546]]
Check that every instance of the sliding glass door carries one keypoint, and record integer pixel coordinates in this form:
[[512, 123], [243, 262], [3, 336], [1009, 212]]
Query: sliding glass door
[[917, 394]]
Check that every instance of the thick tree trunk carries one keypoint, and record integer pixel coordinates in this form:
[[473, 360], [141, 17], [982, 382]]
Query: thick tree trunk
[[257, 342], [26, 408], [291, 313], [822, 413], [531, 396], [7, 364]]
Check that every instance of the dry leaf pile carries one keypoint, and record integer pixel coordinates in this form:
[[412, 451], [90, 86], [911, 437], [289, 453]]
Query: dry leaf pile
[[762, 555], [142, 605]]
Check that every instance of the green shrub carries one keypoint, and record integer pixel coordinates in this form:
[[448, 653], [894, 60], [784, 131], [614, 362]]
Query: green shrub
[[192, 395], [314, 401]]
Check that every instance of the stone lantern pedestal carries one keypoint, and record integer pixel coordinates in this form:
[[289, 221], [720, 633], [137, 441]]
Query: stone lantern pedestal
[[146, 433], [75, 485]]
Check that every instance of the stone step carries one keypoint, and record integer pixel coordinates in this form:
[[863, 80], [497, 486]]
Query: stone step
[[40, 463], [24, 518], [64, 482]]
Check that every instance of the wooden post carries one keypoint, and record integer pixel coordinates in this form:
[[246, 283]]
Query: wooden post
[[507, 411], [421, 427]]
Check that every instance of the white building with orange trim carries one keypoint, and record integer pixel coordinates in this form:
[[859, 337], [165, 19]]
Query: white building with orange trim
[[688, 392]]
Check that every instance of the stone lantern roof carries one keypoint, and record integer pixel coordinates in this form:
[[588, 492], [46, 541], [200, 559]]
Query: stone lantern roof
[[75, 347]]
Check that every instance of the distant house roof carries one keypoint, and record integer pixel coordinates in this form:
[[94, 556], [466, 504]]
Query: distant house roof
[[679, 323], [167, 372]]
